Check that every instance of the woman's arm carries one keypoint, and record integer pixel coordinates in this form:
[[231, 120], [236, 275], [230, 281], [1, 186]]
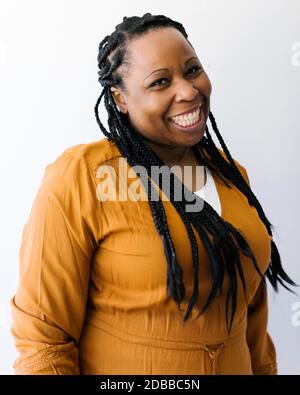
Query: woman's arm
[[261, 346], [48, 309]]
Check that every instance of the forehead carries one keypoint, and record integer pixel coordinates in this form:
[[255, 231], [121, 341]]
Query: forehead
[[162, 47]]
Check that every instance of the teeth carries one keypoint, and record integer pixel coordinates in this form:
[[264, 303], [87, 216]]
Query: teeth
[[187, 119]]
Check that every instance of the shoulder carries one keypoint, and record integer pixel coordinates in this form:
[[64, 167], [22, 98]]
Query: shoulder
[[93, 153], [75, 168], [89, 155]]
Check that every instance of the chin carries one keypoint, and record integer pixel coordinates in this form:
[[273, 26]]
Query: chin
[[192, 139]]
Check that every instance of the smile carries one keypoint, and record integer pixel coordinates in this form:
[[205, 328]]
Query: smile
[[190, 122], [187, 119]]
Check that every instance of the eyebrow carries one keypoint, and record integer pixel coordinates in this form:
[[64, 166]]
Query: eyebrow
[[164, 69]]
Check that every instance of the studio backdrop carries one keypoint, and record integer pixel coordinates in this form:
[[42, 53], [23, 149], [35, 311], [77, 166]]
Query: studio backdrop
[[250, 50]]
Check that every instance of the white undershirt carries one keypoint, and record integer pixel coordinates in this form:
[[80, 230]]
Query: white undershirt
[[209, 192]]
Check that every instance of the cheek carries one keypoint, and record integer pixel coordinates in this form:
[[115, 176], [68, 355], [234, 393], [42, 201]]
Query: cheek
[[153, 110], [206, 85], [158, 105]]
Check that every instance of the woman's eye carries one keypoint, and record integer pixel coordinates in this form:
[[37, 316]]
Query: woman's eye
[[155, 83], [192, 70], [195, 68]]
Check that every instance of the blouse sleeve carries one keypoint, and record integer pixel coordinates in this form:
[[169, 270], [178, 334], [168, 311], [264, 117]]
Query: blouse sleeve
[[58, 240], [260, 344]]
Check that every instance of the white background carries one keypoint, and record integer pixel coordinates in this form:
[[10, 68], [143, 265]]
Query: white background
[[49, 86]]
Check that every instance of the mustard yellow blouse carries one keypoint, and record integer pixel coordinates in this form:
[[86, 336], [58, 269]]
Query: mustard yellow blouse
[[92, 293]]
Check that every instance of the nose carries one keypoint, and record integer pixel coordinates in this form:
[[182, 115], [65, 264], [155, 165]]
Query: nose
[[185, 91]]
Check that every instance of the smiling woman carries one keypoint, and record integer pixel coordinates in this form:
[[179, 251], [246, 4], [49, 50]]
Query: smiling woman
[[147, 287], [168, 105]]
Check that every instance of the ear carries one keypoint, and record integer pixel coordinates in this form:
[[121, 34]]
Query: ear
[[120, 99]]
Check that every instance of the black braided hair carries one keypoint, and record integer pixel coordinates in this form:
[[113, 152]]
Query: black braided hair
[[222, 241]]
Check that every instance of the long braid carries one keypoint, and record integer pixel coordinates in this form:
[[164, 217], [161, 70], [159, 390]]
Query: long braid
[[221, 240], [275, 271]]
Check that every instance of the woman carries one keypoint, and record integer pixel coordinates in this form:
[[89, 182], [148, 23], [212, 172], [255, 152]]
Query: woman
[[112, 286]]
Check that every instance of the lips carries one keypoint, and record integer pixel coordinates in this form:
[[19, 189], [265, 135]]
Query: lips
[[189, 111], [189, 117], [189, 121]]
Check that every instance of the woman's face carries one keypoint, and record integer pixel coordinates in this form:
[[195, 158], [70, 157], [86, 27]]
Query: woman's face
[[164, 79]]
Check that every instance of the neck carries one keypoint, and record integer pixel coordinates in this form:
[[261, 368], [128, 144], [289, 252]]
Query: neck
[[168, 154]]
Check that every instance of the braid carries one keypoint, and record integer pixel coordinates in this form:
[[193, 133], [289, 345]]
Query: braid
[[275, 271], [221, 240]]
